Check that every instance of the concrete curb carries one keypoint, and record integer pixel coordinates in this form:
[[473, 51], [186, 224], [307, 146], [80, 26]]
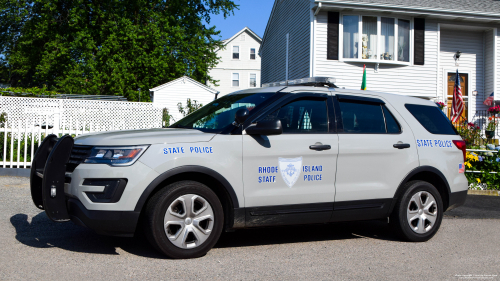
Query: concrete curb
[[15, 172], [484, 192]]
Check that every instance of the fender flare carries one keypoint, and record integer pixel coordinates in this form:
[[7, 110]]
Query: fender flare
[[186, 169], [415, 171]]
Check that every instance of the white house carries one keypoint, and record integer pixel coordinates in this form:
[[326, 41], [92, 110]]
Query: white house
[[409, 47], [170, 94], [239, 67]]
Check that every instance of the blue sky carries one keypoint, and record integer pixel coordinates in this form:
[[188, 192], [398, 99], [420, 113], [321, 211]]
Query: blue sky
[[251, 13]]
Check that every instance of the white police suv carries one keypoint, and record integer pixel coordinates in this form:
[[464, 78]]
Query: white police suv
[[295, 152]]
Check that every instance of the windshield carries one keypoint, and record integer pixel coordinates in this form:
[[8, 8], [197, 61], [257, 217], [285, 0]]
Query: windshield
[[219, 114]]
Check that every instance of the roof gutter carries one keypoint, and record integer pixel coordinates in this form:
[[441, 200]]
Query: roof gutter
[[318, 8], [412, 10]]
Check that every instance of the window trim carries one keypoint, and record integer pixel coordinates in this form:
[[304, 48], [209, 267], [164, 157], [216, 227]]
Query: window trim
[[379, 31], [250, 53], [239, 80], [232, 52]]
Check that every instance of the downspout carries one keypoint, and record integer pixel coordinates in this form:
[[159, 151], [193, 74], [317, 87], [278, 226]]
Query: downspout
[[216, 94]]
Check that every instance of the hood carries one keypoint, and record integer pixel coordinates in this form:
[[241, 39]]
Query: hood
[[144, 136]]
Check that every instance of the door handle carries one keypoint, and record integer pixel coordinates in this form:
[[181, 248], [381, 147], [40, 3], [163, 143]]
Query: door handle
[[401, 145], [320, 147]]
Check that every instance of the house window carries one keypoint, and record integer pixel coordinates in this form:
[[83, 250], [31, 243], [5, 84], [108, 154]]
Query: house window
[[236, 79], [404, 40], [236, 52], [252, 53], [351, 36], [376, 38], [253, 80]]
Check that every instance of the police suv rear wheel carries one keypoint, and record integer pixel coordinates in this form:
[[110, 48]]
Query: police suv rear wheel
[[184, 220], [418, 213]]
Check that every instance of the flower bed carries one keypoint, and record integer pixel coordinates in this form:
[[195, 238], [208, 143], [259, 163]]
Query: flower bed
[[482, 166]]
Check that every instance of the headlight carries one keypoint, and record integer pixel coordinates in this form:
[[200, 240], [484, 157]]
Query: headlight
[[115, 156]]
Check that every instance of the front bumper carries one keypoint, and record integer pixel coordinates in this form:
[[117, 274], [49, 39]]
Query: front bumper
[[114, 223]]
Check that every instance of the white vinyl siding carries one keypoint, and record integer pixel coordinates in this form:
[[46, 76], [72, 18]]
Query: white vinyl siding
[[292, 17], [414, 80]]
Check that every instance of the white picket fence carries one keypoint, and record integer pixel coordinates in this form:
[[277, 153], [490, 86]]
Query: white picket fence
[[30, 120]]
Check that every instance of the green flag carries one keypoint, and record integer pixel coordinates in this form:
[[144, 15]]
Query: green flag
[[363, 84]]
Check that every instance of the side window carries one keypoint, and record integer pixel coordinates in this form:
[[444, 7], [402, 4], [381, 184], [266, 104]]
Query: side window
[[236, 52], [391, 123], [302, 116], [362, 118], [432, 119]]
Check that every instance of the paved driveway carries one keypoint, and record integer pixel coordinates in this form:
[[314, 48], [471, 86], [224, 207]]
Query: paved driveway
[[466, 247]]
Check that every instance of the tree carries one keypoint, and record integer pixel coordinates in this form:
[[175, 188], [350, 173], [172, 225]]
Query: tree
[[191, 106], [108, 46]]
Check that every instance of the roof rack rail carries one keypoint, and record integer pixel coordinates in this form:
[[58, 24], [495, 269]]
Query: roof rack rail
[[309, 81]]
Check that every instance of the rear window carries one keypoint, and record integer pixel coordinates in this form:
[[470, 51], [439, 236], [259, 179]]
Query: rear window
[[432, 119]]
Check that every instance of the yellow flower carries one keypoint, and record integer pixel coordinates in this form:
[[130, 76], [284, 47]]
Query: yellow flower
[[468, 164], [478, 180]]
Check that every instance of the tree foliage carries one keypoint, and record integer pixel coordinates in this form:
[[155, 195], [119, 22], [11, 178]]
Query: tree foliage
[[108, 46]]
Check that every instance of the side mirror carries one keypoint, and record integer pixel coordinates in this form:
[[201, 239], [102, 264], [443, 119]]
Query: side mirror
[[241, 116], [271, 127]]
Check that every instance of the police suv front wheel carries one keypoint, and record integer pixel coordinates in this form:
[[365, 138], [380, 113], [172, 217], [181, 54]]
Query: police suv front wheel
[[184, 220], [418, 212]]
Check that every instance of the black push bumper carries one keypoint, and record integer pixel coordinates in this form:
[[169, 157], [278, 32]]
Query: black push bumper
[[114, 223], [457, 199]]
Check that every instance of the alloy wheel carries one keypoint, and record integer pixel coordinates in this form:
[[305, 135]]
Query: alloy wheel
[[189, 221]]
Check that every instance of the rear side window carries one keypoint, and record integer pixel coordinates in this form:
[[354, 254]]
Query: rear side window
[[367, 118], [432, 119]]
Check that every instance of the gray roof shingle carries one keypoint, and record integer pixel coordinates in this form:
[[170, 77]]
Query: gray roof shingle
[[492, 6]]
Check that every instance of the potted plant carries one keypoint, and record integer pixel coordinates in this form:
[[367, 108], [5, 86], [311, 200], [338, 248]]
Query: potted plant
[[491, 126], [441, 105], [494, 109]]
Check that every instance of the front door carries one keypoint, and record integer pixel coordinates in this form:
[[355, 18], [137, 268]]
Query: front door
[[285, 170], [464, 78]]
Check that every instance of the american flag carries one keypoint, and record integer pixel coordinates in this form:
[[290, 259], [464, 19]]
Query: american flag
[[461, 168], [489, 100], [457, 107]]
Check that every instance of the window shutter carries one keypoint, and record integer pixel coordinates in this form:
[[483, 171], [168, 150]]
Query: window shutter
[[333, 36], [419, 41]]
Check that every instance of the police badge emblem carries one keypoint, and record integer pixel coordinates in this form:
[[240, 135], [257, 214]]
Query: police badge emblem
[[290, 169]]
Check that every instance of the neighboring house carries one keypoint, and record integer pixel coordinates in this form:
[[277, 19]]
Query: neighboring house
[[170, 94], [409, 47], [239, 67]]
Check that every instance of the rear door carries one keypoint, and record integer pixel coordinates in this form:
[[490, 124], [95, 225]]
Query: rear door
[[376, 151]]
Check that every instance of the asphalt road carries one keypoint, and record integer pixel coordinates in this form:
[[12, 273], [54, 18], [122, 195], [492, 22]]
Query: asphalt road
[[466, 247]]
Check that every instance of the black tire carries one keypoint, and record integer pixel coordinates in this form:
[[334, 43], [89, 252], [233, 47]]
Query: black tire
[[399, 217], [157, 207]]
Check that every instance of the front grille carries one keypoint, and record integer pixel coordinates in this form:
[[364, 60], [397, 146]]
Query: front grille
[[78, 154]]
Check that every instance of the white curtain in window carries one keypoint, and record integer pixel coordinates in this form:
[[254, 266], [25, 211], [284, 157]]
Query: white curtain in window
[[350, 36], [404, 40], [369, 38], [236, 79], [387, 39]]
